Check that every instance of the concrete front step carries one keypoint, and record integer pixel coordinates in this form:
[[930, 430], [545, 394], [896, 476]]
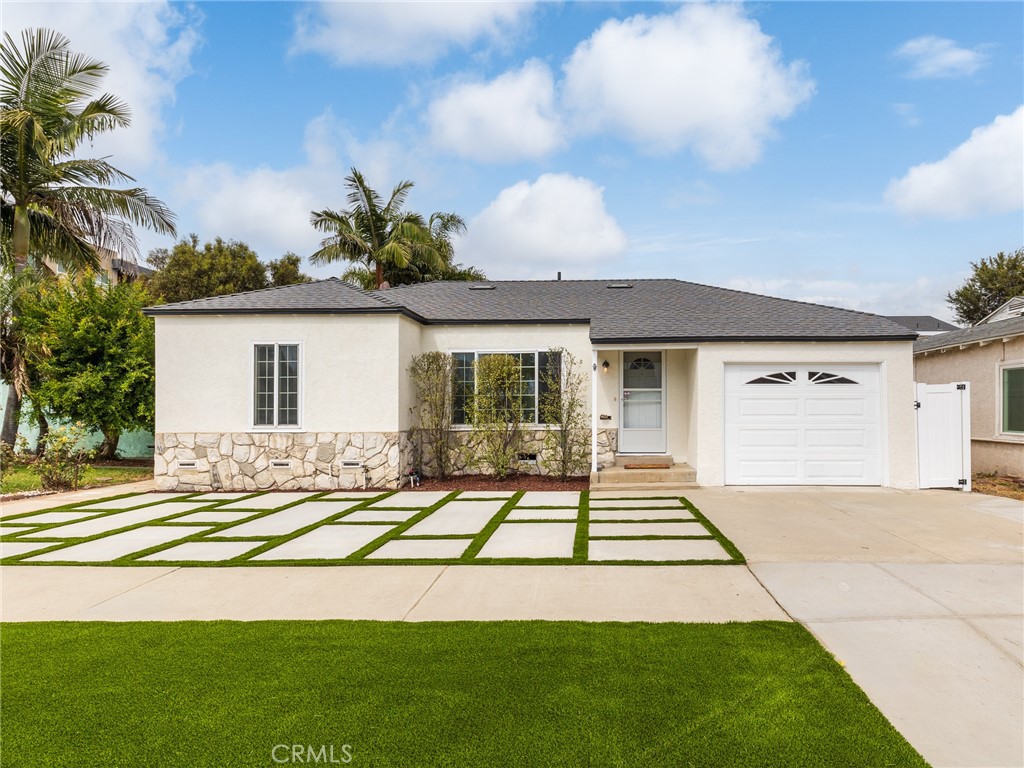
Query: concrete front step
[[679, 473], [622, 459]]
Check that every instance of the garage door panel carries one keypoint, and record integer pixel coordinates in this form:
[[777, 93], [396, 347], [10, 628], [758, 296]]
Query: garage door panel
[[816, 427], [769, 438]]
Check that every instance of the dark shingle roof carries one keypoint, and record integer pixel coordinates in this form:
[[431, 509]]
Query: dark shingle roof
[[923, 323], [1013, 326], [644, 311], [324, 296], [649, 310]]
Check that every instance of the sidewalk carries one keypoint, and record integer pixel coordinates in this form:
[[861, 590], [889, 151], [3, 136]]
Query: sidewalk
[[714, 593]]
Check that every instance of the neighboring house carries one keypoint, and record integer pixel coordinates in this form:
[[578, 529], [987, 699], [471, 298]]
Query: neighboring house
[[113, 269], [924, 325], [990, 356], [291, 387]]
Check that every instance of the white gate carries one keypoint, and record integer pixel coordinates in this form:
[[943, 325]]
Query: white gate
[[944, 435]]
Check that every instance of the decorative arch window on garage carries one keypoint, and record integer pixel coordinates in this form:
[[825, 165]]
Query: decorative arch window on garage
[[276, 385], [1013, 399], [813, 377]]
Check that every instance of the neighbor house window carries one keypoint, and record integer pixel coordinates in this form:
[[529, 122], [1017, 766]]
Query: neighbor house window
[[276, 392], [532, 366], [1013, 399]]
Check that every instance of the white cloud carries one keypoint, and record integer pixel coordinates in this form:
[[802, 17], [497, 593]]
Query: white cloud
[[923, 296], [391, 33], [985, 174], [509, 118], [148, 47], [932, 57], [907, 113], [705, 76], [533, 230]]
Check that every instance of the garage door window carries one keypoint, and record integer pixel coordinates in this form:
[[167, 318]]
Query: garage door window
[[823, 377], [782, 377], [1013, 400]]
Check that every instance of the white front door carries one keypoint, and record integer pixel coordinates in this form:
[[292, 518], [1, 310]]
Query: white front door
[[800, 424], [642, 416]]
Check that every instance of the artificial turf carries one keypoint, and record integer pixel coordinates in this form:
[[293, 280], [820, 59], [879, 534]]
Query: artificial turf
[[435, 694]]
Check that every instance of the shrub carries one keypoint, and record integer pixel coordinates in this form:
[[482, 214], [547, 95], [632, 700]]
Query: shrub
[[563, 407], [7, 459], [434, 376], [496, 413], [63, 459]]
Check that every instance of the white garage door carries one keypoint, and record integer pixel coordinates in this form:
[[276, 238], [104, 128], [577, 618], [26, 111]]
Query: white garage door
[[815, 424]]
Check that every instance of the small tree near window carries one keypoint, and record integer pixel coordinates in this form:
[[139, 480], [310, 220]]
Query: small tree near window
[[496, 414], [434, 376], [563, 407]]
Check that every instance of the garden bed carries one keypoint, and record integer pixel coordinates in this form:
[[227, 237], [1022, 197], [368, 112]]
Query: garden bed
[[510, 483]]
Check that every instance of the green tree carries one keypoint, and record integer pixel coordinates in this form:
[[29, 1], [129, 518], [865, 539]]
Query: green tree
[[53, 202], [375, 234], [95, 355], [287, 270], [992, 283], [563, 406], [189, 271], [496, 413]]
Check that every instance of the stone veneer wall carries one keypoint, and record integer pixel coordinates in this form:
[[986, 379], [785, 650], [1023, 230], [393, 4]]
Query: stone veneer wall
[[240, 461]]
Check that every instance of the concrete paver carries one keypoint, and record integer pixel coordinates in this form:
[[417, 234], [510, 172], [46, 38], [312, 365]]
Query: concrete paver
[[526, 513], [326, 542], [203, 550], [268, 500], [647, 529], [222, 496], [656, 549], [129, 502], [119, 544], [641, 514], [629, 503], [530, 540], [420, 549], [215, 516], [380, 516], [549, 499], [486, 494], [112, 522], [54, 517], [42, 501], [457, 517], [15, 548], [411, 499], [279, 523]]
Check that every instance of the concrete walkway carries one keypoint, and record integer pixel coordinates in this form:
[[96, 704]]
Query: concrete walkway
[[714, 593], [50, 500], [919, 593]]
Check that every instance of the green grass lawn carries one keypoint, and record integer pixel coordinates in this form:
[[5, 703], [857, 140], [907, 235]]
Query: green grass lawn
[[438, 694], [20, 478]]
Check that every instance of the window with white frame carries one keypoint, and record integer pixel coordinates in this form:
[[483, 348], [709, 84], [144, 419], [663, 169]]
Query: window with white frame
[[276, 385], [532, 381], [1013, 399]]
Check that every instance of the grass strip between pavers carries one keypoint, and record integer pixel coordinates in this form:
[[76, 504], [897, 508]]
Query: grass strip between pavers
[[214, 694], [222, 532]]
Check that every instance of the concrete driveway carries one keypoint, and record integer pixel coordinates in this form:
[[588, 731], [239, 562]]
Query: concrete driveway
[[919, 594]]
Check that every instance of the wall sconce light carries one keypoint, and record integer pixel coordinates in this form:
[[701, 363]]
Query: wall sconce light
[[605, 366]]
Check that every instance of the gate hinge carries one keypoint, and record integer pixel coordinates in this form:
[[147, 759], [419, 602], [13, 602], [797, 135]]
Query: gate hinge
[[962, 481], [917, 405], [961, 386]]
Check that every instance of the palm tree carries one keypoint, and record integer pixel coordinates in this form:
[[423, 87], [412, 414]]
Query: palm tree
[[442, 228], [374, 234], [53, 203]]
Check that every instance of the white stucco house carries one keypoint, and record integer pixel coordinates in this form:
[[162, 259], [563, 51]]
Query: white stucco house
[[305, 386]]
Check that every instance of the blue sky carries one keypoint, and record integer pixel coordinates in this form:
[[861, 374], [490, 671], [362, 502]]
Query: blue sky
[[857, 154]]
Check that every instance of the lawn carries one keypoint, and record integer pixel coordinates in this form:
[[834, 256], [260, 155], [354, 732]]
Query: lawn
[[20, 478], [437, 694]]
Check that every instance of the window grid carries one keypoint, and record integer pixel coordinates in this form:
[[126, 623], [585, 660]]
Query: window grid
[[529, 385], [276, 385]]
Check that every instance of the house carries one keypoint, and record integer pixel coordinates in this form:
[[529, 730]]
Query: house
[[990, 356], [924, 325], [113, 269], [305, 386]]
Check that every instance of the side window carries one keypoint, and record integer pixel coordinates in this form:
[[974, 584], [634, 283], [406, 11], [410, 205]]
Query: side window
[[1013, 399], [276, 385]]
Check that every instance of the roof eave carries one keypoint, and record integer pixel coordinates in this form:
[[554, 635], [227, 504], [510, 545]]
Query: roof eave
[[740, 339]]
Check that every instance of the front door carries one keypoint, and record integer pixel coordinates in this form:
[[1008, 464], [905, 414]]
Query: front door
[[642, 403]]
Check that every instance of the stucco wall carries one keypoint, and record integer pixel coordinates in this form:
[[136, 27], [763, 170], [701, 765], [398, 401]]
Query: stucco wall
[[991, 451], [896, 359], [348, 377]]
